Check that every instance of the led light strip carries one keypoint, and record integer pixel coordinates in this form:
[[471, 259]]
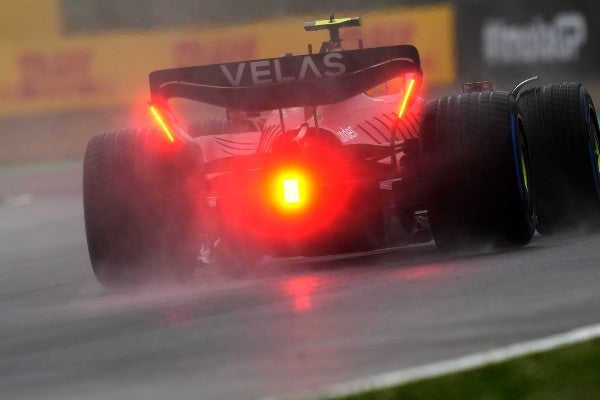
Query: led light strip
[[411, 84], [162, 123]]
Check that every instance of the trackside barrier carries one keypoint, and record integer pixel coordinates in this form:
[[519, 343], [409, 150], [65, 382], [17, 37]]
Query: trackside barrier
[[511, 40]]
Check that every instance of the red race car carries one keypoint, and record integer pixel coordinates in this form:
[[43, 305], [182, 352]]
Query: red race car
[[334, 152]]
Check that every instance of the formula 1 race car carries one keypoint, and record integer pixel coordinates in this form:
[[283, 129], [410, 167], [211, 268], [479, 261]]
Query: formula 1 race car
[[334, 152]]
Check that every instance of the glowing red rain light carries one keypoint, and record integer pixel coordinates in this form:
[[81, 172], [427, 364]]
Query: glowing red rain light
[[409, 90], [162, 123], [291, 191]]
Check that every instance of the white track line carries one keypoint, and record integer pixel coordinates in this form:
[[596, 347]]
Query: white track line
[[459, 364]]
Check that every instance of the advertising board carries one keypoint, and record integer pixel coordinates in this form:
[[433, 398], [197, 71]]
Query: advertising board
[[509, 41], [53, 71]]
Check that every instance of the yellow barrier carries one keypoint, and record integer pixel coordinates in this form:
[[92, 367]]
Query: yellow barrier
[[29, 20], [64, 73]]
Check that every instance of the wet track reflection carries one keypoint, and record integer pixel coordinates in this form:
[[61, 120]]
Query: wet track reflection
[[301, 290]]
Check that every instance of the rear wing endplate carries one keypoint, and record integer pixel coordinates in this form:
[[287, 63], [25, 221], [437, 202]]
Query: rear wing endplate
[[268, 84]]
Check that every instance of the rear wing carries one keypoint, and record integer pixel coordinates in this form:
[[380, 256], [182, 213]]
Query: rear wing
[[269, 84]]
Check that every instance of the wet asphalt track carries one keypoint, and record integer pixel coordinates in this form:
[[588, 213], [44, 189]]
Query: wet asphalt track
[[282, 328]]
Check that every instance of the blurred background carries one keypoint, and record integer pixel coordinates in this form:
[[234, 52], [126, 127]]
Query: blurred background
[[72, 68]]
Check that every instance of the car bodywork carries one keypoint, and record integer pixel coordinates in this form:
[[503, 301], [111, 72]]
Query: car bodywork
[[340, 149], [334, 152]]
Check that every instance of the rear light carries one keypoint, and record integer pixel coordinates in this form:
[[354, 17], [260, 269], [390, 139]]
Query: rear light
[[291, 191], [161, 122]]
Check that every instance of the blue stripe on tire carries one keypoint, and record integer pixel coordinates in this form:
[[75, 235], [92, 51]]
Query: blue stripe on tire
[[513, 128]]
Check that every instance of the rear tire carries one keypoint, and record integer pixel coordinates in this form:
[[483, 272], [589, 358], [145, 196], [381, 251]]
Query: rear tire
[[139, 196], [476, 164], [560, 121]]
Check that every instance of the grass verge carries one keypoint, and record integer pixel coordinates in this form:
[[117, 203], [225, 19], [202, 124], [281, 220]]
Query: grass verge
[[571, 372]]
